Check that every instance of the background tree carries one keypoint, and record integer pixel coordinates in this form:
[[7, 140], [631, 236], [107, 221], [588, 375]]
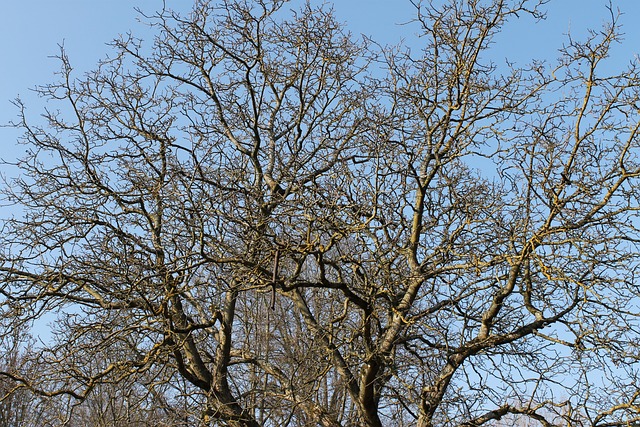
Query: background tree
[[287, 226], [18, 407], [131, 401]]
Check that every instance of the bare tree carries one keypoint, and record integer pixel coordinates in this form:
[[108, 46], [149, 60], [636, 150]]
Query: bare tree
[[18, 406], [137, 401], [290, 227], [130, 404]]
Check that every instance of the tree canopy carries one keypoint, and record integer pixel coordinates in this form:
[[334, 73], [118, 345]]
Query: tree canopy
[[259, 219]]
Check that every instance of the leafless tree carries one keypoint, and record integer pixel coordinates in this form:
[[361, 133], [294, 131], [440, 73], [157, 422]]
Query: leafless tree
[[127, 404], [287, 226], [18, 407], [140, 401]]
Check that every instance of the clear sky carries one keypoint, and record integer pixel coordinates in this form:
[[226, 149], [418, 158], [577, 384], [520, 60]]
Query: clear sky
[[31, 30]]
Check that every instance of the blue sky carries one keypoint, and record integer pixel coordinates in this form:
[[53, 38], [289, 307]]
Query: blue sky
[[31, 30]]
